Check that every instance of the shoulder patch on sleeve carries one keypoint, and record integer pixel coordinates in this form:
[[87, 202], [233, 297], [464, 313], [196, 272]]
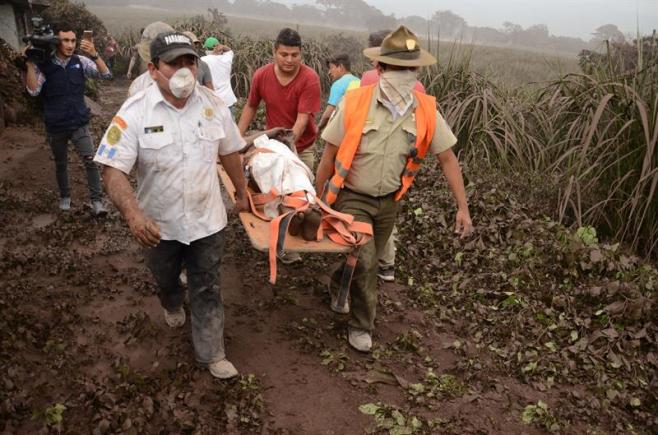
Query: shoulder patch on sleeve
[[113, 134], [120, 122], [106, 151]]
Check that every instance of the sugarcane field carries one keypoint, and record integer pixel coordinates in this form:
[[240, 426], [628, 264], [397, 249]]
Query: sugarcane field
[[328, 217]]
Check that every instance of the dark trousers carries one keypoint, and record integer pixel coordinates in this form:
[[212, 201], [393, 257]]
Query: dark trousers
[[81, 139], [202, 258], [381, 213]]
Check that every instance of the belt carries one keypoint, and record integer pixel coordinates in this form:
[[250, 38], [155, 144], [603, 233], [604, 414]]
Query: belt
[[370, 196]]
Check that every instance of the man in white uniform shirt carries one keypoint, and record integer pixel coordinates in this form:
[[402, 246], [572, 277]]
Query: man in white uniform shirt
[[175, 131], [220, 60]]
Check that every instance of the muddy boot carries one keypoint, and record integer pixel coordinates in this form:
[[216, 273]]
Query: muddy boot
[[296, 224], [65, 203], [223, 369], [312, 220], [175, 319], [98, 208], [359, 339]]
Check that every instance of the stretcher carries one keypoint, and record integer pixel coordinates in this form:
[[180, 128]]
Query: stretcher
[[258, 230]]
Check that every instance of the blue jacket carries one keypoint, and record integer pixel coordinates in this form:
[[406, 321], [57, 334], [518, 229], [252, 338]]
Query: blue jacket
[[63, 96]]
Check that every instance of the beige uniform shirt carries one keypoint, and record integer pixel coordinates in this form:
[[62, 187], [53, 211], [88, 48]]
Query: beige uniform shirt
[[176, 155], [385, 145]]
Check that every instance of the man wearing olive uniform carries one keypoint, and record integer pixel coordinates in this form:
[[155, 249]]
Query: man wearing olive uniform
[[375, 144]]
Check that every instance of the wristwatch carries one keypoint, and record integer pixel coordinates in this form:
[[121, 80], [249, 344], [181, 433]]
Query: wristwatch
[[94, 58]]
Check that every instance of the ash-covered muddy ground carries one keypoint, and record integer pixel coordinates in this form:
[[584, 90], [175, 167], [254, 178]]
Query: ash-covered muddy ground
[[525, 327]]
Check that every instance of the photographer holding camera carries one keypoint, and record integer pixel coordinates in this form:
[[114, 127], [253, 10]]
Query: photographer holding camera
[[58, 75]]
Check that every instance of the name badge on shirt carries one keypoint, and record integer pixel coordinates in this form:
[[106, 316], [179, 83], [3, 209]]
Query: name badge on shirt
[[154, 129]]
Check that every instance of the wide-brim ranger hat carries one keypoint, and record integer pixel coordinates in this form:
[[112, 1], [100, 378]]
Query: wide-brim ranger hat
[[169, 46], [148, 35], [400, 48]]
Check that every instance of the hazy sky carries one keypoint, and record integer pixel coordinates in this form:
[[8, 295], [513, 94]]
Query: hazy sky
[[563, 17]]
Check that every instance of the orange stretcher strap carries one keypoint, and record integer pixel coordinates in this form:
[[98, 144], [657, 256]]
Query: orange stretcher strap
[[341, 228]]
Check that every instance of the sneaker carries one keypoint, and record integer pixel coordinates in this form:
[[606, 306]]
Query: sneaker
[[386, 273], [343, 309], [65, 203], [359, 339], [289, 257], [98, 208], [223, 369], [175, 319]]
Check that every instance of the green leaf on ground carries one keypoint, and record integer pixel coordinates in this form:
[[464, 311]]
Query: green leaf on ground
[[369, 409]]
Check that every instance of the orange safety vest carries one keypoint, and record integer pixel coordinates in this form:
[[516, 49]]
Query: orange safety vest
[[357, 106]]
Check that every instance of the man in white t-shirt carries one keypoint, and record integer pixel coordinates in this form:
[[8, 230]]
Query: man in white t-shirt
[[174, 130], [220, 59]]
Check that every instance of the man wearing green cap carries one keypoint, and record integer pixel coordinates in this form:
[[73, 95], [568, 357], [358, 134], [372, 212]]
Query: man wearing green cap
[[219, 58], [375, 145]]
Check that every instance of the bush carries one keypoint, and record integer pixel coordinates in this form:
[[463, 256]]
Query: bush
[[594, 135], [621, 57]]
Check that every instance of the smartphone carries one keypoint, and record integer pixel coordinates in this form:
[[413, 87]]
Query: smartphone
[[88, 35]]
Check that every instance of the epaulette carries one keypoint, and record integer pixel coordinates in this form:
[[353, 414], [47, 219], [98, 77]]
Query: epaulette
[[134, 99], [213, 97]]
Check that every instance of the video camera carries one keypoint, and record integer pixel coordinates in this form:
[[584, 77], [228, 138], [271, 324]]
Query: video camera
[[42, 39]]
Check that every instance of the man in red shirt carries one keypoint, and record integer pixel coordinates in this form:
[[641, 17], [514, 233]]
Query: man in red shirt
[[372, 76], [291, 92]]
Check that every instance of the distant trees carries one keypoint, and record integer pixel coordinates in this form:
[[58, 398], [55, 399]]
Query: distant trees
[[510, 28], [341, 13], [448, 24], [417, 24], [358, 14], [355, 13], [608, 32], [338, 5]]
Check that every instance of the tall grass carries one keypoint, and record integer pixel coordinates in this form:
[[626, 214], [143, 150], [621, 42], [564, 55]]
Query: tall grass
[[610, 124], [594, 135]]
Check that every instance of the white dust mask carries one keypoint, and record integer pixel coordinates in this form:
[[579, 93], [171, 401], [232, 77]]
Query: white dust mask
[[398, 86], [181, 83]]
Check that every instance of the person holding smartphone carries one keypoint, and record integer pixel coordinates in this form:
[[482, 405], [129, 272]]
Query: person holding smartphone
[[60, 80]]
